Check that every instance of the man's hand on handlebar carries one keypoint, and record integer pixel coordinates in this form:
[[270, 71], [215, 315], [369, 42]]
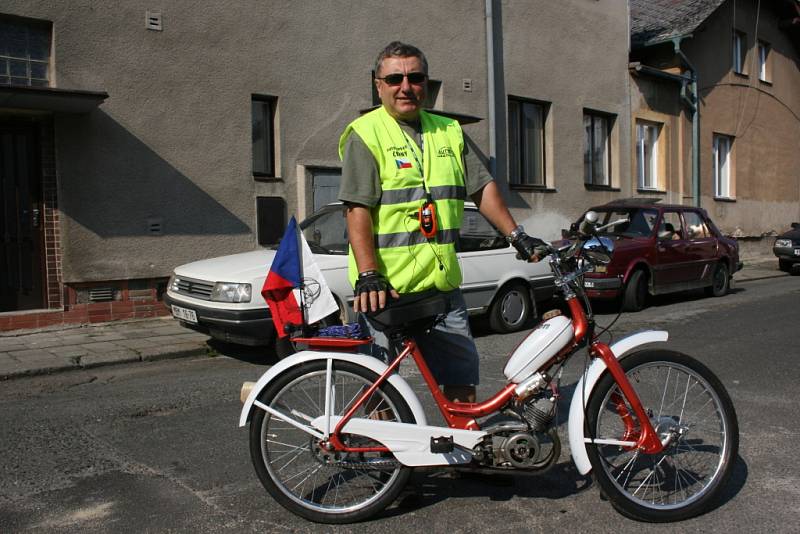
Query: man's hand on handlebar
[[529, 248], [370, 292]]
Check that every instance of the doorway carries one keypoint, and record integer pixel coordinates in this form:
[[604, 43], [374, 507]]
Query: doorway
[[21, 219], [325, 185]]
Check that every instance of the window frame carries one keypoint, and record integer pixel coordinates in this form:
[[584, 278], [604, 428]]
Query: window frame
[[739, 56], [270, 103], [722, 188], [517, 161], [655, 154], [608, 118], [763, 50]]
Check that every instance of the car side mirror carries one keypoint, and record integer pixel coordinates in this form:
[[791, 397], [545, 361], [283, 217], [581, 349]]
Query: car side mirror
[[796, 226]]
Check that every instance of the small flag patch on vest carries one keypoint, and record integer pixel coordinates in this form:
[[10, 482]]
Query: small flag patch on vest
[[403, 163]]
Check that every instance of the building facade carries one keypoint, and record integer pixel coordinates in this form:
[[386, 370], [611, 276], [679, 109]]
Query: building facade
[[743, 57]]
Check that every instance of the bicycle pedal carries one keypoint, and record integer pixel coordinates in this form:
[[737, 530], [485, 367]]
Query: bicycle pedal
[[443, 444]]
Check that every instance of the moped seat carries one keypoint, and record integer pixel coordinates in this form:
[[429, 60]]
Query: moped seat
[[411, 311]]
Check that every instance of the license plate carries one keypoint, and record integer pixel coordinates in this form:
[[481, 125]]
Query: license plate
[[588, 283], [184, 314], [797, 252]]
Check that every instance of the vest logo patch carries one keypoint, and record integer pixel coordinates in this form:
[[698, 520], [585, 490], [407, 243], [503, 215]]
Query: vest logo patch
[[403, 163], [397, 151], [445, 152]]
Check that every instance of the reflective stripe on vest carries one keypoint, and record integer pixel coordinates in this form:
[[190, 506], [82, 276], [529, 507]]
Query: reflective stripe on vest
[[409, 261]]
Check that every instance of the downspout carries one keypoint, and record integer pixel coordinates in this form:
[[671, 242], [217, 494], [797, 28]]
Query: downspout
[[693, 101], [491, 92]]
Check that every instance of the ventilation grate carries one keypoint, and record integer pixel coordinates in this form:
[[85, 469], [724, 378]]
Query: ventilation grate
[[152, 21], [101, 294], [155, 226], [466, 85]]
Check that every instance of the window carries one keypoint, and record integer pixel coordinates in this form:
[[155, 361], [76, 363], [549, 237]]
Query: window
[[526, 143], [647, 154], [24, 52], [722, 165], [478, 234], [670, 227], [763, 61], [696, 227], [263, 117], [739, 51], [270, 219], [596, 151]]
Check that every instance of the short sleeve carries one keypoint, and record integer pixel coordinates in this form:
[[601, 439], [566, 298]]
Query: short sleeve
[[476, 173], [361, 182]]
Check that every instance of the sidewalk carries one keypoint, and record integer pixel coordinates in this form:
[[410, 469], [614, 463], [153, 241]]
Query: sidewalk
[[55, 349]]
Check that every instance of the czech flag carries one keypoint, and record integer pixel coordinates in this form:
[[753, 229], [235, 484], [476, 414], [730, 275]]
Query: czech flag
[[402, 163], [295, 284]]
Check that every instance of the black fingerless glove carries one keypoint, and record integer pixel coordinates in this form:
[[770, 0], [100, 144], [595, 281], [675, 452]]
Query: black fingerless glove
[[527, 246], [371, 281]]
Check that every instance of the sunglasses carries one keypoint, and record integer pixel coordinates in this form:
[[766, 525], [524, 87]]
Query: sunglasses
[[415, 78]]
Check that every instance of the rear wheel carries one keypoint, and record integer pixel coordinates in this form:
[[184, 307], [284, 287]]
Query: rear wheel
[[785, 265], [720, 281], [635, 296], [511, 308], [690, 410], [321, 485]]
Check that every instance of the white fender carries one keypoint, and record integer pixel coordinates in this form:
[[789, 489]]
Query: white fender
[[369, 362], [584, 387]]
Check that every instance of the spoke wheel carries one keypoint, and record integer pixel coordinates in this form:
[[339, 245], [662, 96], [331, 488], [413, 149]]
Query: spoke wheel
[[316, 484], [689, 407]]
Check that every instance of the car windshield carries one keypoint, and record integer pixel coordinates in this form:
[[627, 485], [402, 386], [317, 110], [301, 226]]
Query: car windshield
[[633, 222], [326, 231]]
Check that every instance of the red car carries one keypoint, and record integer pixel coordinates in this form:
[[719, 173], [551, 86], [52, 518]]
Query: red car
[[660, 248]]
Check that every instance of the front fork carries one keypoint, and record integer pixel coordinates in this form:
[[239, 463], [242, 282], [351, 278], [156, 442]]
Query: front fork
[[645, 435]]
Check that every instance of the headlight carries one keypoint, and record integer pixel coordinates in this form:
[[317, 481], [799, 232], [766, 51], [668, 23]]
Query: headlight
[[229, 292], [783, 243]]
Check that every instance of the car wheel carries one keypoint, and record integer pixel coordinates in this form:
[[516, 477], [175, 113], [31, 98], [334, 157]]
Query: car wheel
[[511, 308], [720, 281], [785, 265], [635, 296]]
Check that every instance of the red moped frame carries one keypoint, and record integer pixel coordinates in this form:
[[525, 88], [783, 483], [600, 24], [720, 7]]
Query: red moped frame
[[462, 415]]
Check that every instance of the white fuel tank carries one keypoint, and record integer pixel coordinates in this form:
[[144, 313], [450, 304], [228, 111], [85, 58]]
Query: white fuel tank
[[542, 344]]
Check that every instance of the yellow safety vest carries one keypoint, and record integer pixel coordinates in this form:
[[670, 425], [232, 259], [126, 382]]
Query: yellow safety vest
[[409, 261]]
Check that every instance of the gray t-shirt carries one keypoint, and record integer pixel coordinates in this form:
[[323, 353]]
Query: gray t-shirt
[[361, 181]]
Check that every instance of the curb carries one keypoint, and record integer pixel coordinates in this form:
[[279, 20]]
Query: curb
[[167, 352]]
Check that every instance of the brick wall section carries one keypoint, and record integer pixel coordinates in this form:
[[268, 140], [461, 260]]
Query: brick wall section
[[133, 304], [50, 217]]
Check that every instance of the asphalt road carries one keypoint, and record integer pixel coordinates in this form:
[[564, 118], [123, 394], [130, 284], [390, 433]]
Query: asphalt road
[[154, 447]]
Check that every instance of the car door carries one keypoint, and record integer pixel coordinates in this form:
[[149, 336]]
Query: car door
[[701, 247], [482, 253], [672, 265]]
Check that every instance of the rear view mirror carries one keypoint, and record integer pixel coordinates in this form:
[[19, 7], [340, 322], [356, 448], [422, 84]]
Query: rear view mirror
[[796, 226]]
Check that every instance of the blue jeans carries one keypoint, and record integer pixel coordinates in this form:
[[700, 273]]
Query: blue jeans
[[448, 348]]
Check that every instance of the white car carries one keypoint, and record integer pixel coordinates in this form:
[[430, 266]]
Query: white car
[[222, 296]]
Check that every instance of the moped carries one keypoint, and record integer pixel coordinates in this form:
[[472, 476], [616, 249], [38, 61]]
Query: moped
[[334, 434]]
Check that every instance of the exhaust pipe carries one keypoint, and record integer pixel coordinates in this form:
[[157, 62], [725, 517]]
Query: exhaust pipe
[[247, 387]]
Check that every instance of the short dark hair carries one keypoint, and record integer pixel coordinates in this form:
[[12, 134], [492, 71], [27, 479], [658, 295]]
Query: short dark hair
[[398, 49]]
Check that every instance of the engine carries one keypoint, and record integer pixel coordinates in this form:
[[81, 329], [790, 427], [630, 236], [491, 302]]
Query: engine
[[522, 439]]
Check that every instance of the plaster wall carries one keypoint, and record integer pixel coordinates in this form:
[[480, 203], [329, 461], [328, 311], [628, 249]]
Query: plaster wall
[[572, 55]]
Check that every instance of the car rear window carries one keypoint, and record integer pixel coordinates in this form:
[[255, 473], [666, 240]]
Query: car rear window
[[633, 222]]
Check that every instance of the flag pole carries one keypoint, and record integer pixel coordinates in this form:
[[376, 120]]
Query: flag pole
[[302, 279]]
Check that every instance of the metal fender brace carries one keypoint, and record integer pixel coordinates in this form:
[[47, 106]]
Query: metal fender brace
[[645, 436]]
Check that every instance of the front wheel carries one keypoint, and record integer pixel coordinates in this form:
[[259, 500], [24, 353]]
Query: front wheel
[[314, 483], [690, 410], [720, 281]]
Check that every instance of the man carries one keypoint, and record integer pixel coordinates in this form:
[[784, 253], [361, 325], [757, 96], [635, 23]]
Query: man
[[405, 174]]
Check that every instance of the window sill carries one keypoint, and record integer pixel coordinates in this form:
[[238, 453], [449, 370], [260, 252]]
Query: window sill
[[595, 187], [263, 177], [743, 75], [651, 191], [534, 188], [725, 199], [765, 82]]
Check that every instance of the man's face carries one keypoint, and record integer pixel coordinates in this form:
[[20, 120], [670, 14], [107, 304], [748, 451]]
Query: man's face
[[402, 101]]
